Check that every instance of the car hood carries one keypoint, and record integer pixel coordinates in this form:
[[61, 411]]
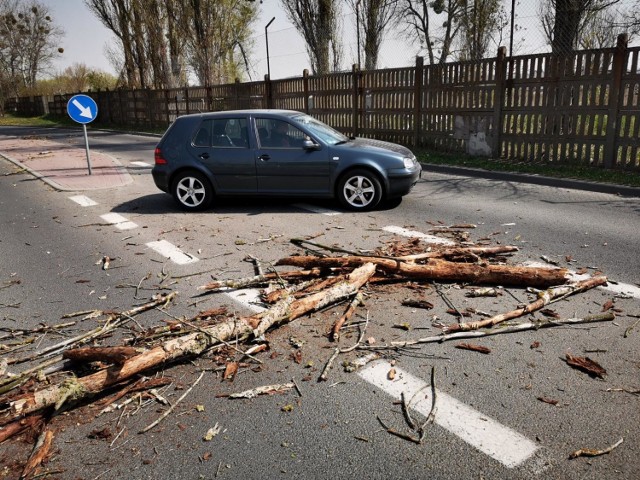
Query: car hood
[[376, 146]]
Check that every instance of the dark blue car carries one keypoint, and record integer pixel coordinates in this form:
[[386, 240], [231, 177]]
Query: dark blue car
[[280, 153]]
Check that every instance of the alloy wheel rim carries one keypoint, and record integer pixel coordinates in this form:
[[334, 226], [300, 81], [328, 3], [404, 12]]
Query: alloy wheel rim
[[359, 191]]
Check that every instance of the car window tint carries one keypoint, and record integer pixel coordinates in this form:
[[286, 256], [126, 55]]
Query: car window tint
[[278, 134]]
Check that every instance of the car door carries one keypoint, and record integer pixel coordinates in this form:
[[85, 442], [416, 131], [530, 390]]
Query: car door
[[283, 166], [223, 146]]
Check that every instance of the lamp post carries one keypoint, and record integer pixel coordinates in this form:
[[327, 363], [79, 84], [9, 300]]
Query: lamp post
[[266, 36], [358, 30], [513, 9]]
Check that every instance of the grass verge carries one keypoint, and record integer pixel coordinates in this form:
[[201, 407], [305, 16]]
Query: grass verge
[[576, 172]]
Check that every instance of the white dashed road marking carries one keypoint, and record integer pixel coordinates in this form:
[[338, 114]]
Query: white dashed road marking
[[173, 253], [482, 432], [249, 297], [141, 164], [314, 209], [618, 288], [83, 201], [118, 221], [414, 234]]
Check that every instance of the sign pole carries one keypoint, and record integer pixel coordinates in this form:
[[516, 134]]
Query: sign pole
[[86, 146], [83, 109]]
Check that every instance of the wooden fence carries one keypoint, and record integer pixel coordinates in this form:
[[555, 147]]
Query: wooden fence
[[580, 109]]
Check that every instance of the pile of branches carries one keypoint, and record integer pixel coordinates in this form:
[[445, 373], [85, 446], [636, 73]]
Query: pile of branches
[[323, 277]]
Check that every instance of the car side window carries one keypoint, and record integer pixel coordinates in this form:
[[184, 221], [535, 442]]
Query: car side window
[[222, 132], [202, 137], [278, 134]]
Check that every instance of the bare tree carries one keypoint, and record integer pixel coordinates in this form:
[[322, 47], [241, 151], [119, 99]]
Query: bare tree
[[418, 18], [317, 22], [564, 21], [28, 43], [373, 18], [216, 34], [602, 29], [116, 16], [481, 23]]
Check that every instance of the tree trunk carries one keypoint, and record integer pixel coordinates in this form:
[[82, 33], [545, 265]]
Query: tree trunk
[[441, 270]]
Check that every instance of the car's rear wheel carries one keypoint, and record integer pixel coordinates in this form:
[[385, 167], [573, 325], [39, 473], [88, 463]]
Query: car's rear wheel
[[359, 190], [192, 191]]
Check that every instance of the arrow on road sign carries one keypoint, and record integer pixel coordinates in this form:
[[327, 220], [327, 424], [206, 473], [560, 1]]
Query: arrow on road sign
[[84, 111]]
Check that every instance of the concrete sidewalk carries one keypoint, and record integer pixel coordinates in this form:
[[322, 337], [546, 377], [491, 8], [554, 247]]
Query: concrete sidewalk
[[64, 167]]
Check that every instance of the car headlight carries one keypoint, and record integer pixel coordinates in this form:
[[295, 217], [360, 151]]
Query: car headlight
[[409, 162]]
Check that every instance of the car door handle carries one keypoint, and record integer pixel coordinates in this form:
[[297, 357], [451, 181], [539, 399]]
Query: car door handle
[[204, 156], [264, 157]]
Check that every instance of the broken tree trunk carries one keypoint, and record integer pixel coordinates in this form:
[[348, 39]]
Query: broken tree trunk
[[545, 297], [443, 271], [190, 345]]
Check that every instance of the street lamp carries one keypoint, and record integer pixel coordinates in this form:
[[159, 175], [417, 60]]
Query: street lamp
[[266, 36], [358, 30]]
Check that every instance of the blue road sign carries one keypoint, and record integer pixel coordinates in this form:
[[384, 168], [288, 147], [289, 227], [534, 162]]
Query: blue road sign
[[82, 109]]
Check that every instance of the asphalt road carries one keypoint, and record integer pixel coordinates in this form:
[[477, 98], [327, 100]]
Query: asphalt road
[[489, 421]]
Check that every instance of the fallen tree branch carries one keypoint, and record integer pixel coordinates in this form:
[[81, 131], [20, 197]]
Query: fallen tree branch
[[260, 280], [173, 405], [192, 344], [442, 270], [544, 298], [603, 317], [335, 331], [588, 452]]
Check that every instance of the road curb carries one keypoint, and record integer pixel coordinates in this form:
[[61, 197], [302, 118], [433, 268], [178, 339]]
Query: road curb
[[613, 189]]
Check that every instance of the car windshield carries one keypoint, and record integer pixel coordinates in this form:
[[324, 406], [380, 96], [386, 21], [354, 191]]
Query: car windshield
[[321, 130]]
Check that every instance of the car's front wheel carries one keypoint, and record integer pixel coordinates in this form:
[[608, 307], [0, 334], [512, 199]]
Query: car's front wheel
[[359, 190], [192, 191]]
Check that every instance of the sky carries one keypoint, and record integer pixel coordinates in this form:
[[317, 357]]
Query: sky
[[85, 39]]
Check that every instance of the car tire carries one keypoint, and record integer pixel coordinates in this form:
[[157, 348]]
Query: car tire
[[359, 190], [192, 190]]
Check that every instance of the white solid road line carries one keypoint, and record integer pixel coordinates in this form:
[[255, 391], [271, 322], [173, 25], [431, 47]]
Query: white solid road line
[[119, 221], [172, 252], [415, 234], [314, 209], [482, 432], [83, 201]]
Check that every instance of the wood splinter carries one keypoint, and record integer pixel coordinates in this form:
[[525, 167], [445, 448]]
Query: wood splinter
[[589, 452]]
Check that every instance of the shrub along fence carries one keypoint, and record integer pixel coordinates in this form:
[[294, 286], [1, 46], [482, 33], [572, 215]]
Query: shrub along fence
[[580, 109]]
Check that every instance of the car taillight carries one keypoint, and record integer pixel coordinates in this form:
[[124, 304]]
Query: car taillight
[[160, 160]]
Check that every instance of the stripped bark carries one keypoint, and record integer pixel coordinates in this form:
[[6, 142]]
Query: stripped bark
[[192, 344], [441, 270], [117, 355], [544, 298], [41, 451]]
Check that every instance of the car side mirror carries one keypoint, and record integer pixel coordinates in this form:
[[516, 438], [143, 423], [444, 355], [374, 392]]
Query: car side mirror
[[310, 145]]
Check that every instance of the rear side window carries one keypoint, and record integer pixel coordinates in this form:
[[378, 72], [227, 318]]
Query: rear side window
[[222, 132]]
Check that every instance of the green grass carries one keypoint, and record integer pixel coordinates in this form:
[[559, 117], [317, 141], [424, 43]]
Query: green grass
[[577, 172]]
